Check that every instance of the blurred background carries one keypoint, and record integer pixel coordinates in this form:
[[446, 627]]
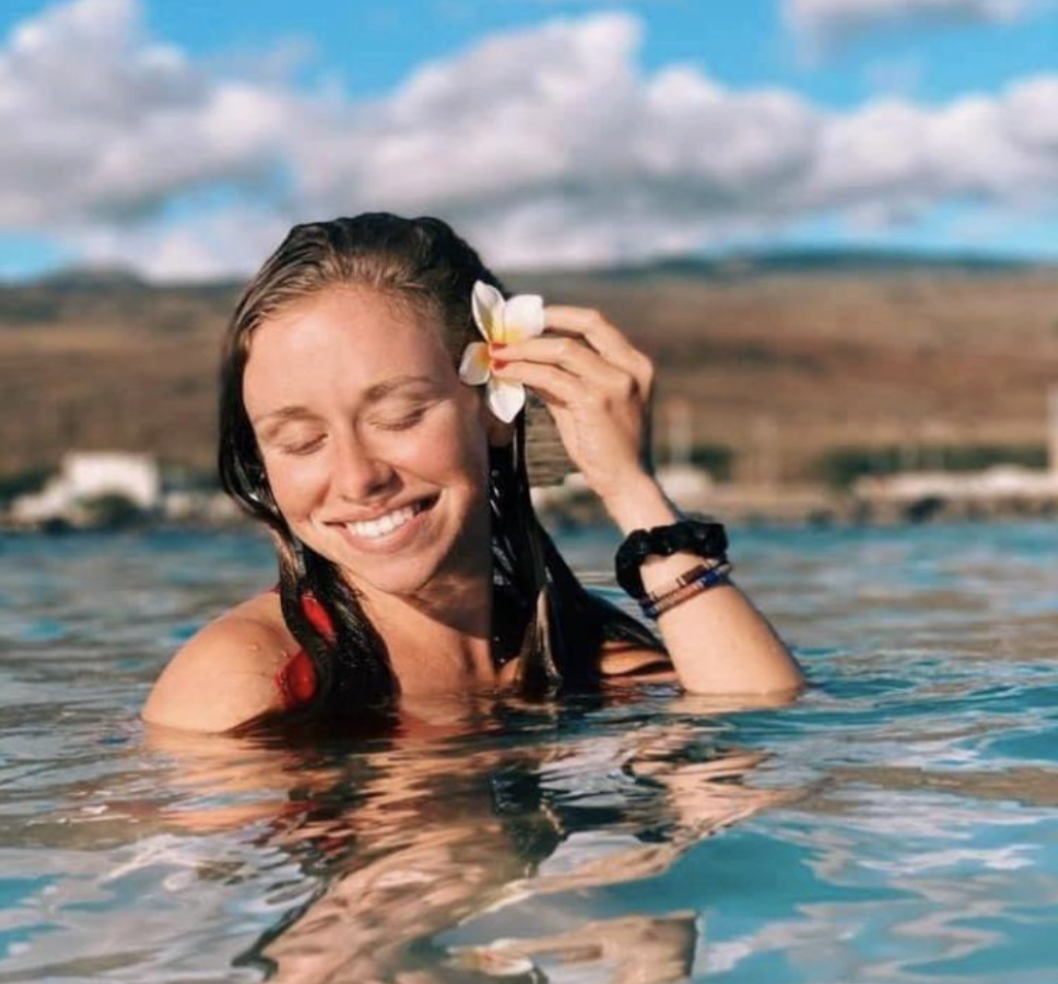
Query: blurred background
[[831, 222]]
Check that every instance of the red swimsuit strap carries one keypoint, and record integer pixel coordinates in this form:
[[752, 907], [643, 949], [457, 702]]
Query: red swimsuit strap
[[317, 615], [296, 679]]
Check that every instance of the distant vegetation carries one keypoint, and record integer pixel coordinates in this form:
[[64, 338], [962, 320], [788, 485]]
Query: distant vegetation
[[717, 459], [19, 483], [841, 467], [111, 511], [817, 261]]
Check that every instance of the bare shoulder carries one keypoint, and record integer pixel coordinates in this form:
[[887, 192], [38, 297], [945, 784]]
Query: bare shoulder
[[622, 662], [226, 673]]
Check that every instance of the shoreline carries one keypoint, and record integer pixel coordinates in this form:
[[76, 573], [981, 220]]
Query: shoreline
[[562, 509]]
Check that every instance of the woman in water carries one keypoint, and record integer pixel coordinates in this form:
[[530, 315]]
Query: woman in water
[[371, 416]]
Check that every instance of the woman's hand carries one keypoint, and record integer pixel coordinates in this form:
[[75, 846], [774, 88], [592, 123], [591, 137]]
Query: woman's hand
[[598, 388]]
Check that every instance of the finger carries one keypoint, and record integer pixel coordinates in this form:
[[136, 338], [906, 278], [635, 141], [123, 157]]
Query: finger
[[605, 338], [589, 324], [570, 354], [554, 385]]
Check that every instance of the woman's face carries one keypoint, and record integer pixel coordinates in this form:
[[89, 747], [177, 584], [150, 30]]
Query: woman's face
[[376, 453]]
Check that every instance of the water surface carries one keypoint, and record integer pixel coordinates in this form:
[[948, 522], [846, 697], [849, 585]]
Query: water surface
[[898, 824]]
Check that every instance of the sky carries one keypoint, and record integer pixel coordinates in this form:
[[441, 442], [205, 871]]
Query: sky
[[182, 138]]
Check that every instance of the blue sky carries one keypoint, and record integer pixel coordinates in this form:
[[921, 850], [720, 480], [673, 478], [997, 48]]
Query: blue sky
[[742, 42], [182, 137]]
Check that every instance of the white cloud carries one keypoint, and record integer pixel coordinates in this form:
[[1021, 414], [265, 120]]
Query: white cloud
[[100, 121], [823, 25], [903, 158], [231, 240], [548, 145]]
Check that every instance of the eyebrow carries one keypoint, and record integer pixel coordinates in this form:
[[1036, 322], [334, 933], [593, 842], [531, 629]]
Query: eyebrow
[[373, 394], [284, 414], [381, 390]]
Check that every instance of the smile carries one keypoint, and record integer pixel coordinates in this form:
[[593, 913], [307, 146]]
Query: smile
[[372, 529], [384, 529]]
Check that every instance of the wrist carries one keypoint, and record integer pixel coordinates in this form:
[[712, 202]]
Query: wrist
[[657, 546], [640, 504]]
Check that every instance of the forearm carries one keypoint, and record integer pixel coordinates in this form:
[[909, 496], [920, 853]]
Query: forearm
[[719, 643]]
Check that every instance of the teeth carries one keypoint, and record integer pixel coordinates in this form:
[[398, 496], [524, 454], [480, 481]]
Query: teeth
[[374, 528]]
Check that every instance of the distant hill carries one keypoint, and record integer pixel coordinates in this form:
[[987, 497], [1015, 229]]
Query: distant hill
[[809, 261], [780, 357], [90, 278], [740, 263], [872, 260]]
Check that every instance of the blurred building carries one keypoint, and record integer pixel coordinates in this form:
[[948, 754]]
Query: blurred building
[[87, 476], [999, 490], [1052, 430], [999, 482]]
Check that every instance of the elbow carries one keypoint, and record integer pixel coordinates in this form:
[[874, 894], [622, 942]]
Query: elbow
[[766, 696]]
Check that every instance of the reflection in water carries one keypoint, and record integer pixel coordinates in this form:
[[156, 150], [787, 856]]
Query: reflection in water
[[549, 843], [1022, 784], [470, 811]]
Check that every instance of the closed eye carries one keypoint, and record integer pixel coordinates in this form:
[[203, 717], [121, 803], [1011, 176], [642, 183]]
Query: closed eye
[[406, 422], [302, 447]]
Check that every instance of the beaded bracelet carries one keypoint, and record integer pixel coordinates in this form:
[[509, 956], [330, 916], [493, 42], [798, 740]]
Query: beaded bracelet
[[686, 586], [684, 579]]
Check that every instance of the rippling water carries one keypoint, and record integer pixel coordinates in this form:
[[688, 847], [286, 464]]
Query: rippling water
[[897, 825]]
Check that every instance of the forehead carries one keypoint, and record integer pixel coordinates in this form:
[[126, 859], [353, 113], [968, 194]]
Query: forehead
[[347, 339]]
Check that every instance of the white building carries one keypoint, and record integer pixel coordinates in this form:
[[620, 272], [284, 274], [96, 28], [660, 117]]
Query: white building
[[87, 475], [998, 482], [1052, 430]]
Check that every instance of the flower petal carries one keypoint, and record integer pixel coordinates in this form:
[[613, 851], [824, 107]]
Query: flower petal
[[487, 303], [505, 399], [523, 317], [474, 368]]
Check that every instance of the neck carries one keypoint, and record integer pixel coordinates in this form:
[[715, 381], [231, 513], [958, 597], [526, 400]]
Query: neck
[[439, 637], [459, 605], [435, 649]]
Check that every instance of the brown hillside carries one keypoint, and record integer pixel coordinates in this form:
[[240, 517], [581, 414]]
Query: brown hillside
[[778, 367]]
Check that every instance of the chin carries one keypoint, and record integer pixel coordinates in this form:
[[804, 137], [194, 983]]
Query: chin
[[397, 583]]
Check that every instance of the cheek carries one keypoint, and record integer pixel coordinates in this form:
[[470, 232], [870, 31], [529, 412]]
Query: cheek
[[473, 445], [451, 456], [450, 448], [295, 482]]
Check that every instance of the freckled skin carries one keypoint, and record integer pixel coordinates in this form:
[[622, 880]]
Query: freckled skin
[[345, 460]]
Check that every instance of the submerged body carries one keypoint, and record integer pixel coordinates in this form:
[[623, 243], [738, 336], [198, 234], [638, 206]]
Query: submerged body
[[248, 663], [376, 467]]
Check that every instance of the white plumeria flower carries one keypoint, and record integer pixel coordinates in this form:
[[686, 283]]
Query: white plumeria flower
[[501, 322]]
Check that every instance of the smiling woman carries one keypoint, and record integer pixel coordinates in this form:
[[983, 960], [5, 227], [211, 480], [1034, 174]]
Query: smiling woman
[[410, 561]]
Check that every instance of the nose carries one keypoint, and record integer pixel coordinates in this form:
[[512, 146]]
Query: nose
[[359, 474]]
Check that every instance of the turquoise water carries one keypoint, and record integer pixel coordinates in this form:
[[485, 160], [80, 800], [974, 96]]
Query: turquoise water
[[898, 824]]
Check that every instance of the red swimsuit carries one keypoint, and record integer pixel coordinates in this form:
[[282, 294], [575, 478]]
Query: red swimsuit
[[296, 679]]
